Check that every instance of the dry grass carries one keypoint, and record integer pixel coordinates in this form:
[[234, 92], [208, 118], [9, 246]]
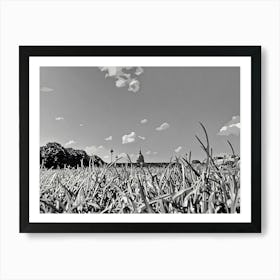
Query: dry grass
[[180, 187]]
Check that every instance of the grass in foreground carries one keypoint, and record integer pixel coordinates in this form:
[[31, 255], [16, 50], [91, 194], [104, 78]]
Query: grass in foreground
[[180, 187]]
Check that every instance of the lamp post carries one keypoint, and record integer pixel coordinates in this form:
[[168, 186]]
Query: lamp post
[[111, 155]]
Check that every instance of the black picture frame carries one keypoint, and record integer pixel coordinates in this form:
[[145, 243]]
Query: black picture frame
[[25, 52]]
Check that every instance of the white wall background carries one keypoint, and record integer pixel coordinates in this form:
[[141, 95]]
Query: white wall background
[[139, 256]]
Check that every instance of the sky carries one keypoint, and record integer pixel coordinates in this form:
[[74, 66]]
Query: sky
[[155, 109]]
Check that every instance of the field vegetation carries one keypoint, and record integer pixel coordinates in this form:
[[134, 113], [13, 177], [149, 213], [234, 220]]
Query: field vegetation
[[181, 186]]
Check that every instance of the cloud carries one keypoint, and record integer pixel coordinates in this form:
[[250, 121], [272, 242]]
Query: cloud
[[148, 152], [144, 121], [70, 142], [139, 71], [163, 126], [123, 155], [120, 82], [91, 150], [155, 153], [134, 85], [59, 118], [112, 71], [109, 138], [100, 151], [177, 150], [81, 124], [129, 138], [124, 76], [231, 128], [141, 137], [46, 89]]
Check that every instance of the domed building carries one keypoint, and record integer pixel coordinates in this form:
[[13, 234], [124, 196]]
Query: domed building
[[140, 159]]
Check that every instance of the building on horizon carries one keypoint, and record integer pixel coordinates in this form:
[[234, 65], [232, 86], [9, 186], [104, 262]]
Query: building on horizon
[[140, 160]]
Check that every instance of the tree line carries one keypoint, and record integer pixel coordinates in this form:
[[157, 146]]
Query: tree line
[[54, 155]]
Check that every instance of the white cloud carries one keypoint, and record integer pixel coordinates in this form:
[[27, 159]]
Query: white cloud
[[109, 138], [122, 155], [46, 89], [235, 125], [134, 85], [81, 124], [144, 121], [120, 82], [70, 142], [100, 151], [124, 76], [112, 71], [163, 126], [148, 152], [177, 150], [129, 138], [91, 150], [231, 128], [139, 71], [141, 137], [59, 118]]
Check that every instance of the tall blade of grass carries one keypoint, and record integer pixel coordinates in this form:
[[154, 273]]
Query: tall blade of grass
[[231, 147], [211, 207], [191, 167], [212, 160], [207, 144], [181, 192], [143, 196]]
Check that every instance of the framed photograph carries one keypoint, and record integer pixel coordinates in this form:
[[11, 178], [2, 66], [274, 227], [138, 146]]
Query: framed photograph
[[140, 139]]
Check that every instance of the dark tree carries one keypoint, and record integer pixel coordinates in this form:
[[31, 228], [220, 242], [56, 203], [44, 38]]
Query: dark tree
[[53, 155], [73, 158], [82, 157], [96, 160]]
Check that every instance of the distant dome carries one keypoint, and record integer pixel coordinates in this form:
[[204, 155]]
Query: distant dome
[[140, 158]]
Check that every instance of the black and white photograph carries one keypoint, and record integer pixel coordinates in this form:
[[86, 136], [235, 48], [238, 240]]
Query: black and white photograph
[[124, 140], [140, 135]]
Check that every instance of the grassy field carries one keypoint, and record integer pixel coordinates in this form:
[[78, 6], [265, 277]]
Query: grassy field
[[180, 187]]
